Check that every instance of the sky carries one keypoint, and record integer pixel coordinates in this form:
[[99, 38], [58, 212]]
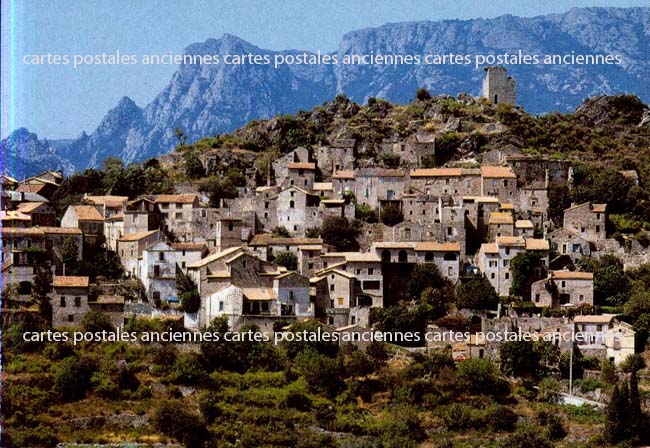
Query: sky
[[58, 101]]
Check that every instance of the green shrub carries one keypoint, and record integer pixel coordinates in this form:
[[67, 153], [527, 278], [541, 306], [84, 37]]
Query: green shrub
[[500, 418], [174, 419]]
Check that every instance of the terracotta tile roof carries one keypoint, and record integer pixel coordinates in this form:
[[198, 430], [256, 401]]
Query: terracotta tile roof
[[537, 244], [524, 224], [301, 166], [117, 217], [323, 186], [342, 273], [176, 198], [259, 293], [497, 172], [490, 248], [60, 281], [506, 206], [479, 199], [29, 207], [30, 188], [570, 275], [630, 174], [86, 212], [343, 175], [189, 246], [393, 245], [14, 215], [597, 319], [430, 246], [599, 208], [61, 230], [108, 201], [436, 172], [362, 257], [110, 300], [214, 257], [380, 172], [39, 231], [137, 236], [333, 201], [510, 241], [500, 218], [311, 247], [266, 239]]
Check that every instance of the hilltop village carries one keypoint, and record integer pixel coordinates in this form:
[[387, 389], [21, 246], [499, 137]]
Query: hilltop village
[[260, 258], [445, 216]]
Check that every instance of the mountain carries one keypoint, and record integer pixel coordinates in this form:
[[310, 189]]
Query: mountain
[[23, 155], [205, 100]]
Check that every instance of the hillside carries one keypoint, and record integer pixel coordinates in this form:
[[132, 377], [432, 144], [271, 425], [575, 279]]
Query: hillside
[[205, 100]]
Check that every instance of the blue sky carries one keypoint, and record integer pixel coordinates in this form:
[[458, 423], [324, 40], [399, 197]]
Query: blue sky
[[60, 102]]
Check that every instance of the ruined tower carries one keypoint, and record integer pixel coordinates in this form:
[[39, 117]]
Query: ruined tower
[[498, 87]]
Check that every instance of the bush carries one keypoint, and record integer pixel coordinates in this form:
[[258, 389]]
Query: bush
[[174, 419], [72, 377], [480, 376], [287, 259], [365, 213], [96, 321], [460, 416], [500, 418], [549, 390], [191, 301], [391, 215]]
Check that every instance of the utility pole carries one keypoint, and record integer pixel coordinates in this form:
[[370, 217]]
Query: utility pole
[[571, 360]]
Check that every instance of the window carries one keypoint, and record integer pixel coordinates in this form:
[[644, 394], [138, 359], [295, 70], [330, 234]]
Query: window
[[266, 205], [371, 271], [310, 265], [62, 303], [183, 264], [178, 216], [161, 256], [506, 275], [220, 306], [358, 271], [293, 193], [231, 226], [537, 297], [70, 317], [204, 213], [506, 263], [507, 251], [340, 301], [450, 271], [77, 301], [563, 284], [292, 204], [332, 287], [492, 275], [493, 263]]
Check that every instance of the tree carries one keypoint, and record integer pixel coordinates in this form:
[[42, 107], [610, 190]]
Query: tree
[[287, 259], [518, 358], [180, 136], [218, 189], [427, 276], [280, 232], [391, 215], [559, 199], [96, 321], [321, 372], [70, 256], [193, 167], [72, 377], [422, 94], [634, 410], [175, 419], [480, 376], [607, 372], [365, 213], [399, 319], [432, 304], [340, 233], [611, 283], [41, 290], [477, 293], [526, 268], [188, 292]]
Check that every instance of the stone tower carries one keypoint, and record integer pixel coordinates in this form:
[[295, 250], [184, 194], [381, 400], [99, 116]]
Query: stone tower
[[228, 233], [498, 87]]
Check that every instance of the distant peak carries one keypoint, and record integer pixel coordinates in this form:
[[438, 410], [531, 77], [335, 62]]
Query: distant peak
[[125, 101]]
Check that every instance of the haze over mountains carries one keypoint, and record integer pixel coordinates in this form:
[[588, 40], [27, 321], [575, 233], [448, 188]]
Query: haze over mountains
[[204, 100]]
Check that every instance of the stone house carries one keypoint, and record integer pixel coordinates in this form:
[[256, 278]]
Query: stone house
[[110, 305], [229, 233], [141, 215], [366, 268], [500, 224], [88, 219], [188, 253], [494, 261], [14, 218], [40, 213], [130, 248], [300, 174], [335, 289], [108, 206], [499, 182], [379, 186], [337, 156], [563, 288], [69, 300], [455, 182], [113, 231], [395, 252], [524, 228], [266, 207], [297, 210], [587, 221], [159, 271], [604, 336], [266, 246], [281, 164], [446, 257], [564, 242], [178, 213], [344, 182], [43, 187], [20, 247]]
